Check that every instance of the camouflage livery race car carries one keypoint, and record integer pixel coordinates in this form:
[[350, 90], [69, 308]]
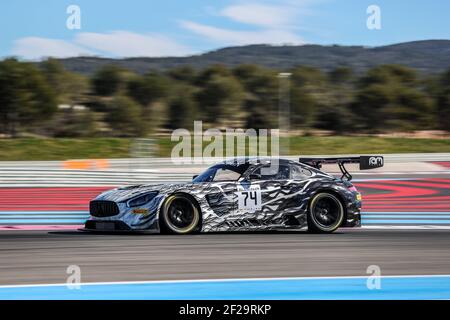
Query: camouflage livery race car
[[238, 195]]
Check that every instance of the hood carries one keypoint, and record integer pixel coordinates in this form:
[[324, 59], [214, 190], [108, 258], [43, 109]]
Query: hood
[[125, 193]]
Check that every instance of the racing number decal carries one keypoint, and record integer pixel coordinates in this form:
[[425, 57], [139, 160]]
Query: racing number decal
[[251, 195], [249, 200]]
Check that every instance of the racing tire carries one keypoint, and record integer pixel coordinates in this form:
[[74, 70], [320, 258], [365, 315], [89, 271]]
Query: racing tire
[[325, 213], [180, 215]]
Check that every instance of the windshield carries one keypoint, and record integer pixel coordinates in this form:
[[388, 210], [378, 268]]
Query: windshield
[[222, 172]]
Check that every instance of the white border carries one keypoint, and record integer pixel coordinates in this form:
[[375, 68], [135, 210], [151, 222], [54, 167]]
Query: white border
[[217, 280]]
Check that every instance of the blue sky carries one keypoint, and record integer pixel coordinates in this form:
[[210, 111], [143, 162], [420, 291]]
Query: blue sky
[[32, 29]]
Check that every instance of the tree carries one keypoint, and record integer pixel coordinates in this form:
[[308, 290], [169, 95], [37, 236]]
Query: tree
[[73, 123], [182, 109], [385, 74], [308, 91], [261, 95], [391, 98], [340, 75], [340, 95], [443, 102], [125, 117], [70, 88], [108, 80], [411, 110], [368, 107], [303, 107], [25, 96], [54, 72], [334, 118], [220, 99], [308, 77], [247, 73], [208, 73], [148, 88], [184, 73]]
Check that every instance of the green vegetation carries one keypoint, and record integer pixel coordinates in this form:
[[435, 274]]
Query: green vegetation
[[368, 145], [63, 148], [101, 148], [70, 115], [115, 102]]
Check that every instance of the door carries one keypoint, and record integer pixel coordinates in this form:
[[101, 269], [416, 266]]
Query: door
[[260, 193]]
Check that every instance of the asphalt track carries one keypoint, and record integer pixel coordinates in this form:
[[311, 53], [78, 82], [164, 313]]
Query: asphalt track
[[41, 257], [412, 209]]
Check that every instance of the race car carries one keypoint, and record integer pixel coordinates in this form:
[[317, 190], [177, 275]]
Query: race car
[[239, 195]]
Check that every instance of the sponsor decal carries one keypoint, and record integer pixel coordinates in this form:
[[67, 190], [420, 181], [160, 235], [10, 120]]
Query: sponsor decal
[[142, 211], [376, 161], [249, 200], [370, 162]]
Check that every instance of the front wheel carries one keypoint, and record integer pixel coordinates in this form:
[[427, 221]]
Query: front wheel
[[180, 215], [326, 213]]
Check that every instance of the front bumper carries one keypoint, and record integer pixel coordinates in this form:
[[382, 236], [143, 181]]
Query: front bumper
[[114, 226], [111, 216], [99, 225]]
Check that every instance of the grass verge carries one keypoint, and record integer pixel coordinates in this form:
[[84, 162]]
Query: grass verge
[[98, 148]]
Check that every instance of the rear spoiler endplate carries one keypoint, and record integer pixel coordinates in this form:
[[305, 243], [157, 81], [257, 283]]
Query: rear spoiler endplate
[[365, 163]]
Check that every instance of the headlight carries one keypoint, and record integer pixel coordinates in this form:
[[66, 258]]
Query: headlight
[[143, 199]]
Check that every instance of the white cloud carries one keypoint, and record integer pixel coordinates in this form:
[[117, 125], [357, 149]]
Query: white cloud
[[33, 48], [237, 37], [260, 14], [269, 24], [128, 44], [113, 44], [273, 23]]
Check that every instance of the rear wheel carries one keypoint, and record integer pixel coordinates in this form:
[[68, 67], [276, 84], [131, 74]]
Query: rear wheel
[[180, 215], [326, 213]]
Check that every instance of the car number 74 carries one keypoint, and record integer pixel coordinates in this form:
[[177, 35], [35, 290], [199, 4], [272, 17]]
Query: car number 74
[[249, 200]]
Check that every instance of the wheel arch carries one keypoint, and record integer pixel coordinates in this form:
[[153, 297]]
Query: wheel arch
[[334, 192], [187, 195]]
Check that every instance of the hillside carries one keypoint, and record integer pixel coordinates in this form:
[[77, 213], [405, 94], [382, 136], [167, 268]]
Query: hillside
[[430, 56]]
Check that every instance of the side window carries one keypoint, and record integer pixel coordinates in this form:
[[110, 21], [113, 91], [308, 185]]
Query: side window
[[282, 172], [223, 174], [300, 173]]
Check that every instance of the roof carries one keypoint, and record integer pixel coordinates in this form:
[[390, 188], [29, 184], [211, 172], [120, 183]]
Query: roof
[[253, 160]]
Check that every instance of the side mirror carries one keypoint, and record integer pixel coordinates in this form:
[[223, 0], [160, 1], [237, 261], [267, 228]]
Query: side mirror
[[195, 176], [255, 176]]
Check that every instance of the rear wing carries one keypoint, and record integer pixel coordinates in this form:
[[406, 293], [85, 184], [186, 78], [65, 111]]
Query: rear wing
[[365, 163]]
